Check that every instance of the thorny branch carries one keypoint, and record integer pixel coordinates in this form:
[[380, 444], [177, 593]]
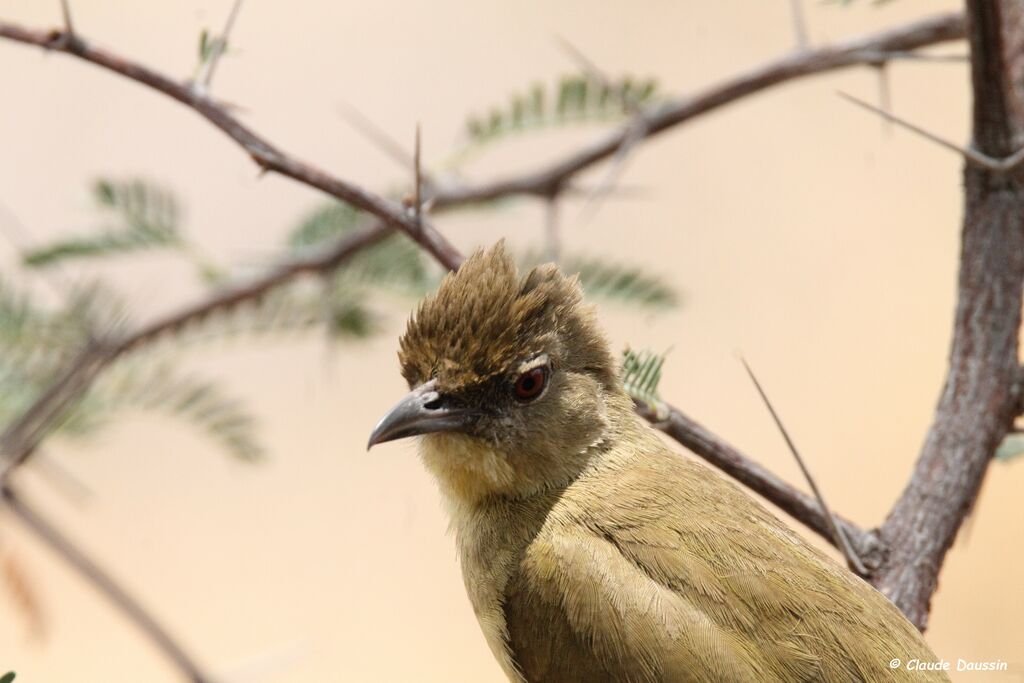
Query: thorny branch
[[636, 131], [267, 156], [981, 396], [108, 585], [718, 452], [864, 50], [65, 10], [839, 538], [970, 155], [217, 49], [23, 436], [796, 11]]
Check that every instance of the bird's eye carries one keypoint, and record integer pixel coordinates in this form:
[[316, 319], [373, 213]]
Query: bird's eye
[[530, 384]]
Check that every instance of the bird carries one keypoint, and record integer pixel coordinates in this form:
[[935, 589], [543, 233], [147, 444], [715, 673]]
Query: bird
[[591, 551]]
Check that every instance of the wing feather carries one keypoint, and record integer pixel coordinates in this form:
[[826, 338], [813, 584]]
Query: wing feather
[[654, 568]]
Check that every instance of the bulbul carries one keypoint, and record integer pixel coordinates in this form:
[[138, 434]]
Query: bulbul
[[591, 551]]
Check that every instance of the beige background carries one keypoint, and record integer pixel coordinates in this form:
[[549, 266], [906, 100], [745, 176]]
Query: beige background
[[801, 231]]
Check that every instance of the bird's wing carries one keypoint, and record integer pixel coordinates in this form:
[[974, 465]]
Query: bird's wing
[[663, 571], [581, 611]]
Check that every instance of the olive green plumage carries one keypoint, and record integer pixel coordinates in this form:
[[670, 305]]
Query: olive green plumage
[[483, 318], [590, 550]]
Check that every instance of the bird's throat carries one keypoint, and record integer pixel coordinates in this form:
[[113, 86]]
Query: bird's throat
[[467, 469]]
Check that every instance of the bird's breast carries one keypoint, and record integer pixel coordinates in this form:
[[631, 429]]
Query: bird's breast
[[492, 540]]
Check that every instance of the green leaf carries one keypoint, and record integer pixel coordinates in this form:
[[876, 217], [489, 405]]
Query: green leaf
[[102, 244], [36, 344], [572, 96], [145, 217], [334, 304], [141, 386], [104, 192], [139, 202], [614, 281], [19, 316], [326, 223], [94, 309], [574, 99], [1012, 447], [205, 45], [641, 374], [351, 319], [7, 677], [394, 263]]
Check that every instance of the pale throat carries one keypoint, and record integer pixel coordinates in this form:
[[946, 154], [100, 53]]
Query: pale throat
[[471, 472], [467, 470]]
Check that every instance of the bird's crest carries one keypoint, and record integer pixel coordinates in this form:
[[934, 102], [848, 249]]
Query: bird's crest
[[484, 317]]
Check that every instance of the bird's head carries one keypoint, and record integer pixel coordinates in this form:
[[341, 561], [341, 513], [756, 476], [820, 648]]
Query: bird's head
[[512, 381]]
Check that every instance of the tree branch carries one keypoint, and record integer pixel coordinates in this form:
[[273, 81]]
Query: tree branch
[[65, 10], [106, 584], [23, 436], [544, 182], [320, 263], [266, 155], [1002, 165], [981, 394], [863, 50], [796, 10], [220, 44], [839, 538], [913, 36], [792, 501]]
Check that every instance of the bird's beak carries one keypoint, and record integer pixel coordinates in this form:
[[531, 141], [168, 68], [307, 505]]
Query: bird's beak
[[422, 411]]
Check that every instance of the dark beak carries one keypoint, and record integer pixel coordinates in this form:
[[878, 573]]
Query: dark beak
[[422, 411]]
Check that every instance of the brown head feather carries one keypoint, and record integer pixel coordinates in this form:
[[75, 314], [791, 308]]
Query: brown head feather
[[484, 318]]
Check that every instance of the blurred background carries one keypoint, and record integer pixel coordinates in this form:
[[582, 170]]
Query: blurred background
[[797, 230]]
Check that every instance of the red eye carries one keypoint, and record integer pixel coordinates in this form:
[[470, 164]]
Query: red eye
[[529, 384]]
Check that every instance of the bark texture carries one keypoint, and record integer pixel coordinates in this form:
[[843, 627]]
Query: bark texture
[[980, 397]]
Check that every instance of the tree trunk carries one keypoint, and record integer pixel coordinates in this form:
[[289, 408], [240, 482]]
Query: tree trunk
[[980, 397]]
